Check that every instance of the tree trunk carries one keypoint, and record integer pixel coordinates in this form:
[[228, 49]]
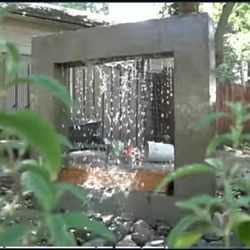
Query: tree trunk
[[220, 31]]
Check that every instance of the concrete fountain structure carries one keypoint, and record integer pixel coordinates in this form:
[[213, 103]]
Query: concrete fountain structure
[[190, 40]]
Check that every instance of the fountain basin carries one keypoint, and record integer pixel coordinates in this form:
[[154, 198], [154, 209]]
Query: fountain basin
[[140, 180]]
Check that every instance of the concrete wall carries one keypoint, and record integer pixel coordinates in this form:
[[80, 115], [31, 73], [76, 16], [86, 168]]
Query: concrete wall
[[190, 39]]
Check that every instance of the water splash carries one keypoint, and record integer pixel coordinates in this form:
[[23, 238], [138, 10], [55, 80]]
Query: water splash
[[124, 96]]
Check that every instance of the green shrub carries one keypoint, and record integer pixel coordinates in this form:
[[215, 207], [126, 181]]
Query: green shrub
[[36, 177], [218, 215]]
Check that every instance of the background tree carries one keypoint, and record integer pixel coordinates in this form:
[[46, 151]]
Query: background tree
[[185, 8], [92, 7], [232, 37], [220, 31]]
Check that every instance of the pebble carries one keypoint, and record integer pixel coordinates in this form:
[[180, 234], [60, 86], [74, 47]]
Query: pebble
[[107, 219], [127, 242], [140, 239], [141, 233], [163, 229], [123, 228], [141, 227], [127, 216], [155, 243], [211, 237]]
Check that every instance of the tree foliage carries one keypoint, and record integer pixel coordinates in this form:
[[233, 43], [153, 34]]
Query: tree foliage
[[220, 31], [179, 8], [236, 49], [91, 6], [232, 36]]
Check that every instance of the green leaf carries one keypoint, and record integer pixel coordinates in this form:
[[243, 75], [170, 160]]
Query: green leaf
[[216, 141], [216, 163], [246, 118], [211, 117], [246, 137], [81, 221], [42, 189], [188, 239], [39, 133], [75, 190], [247, 106], [27, 215], [64, 141], [242, 232], [228, 193], [180, 228], [201, 200], [32, 166], [243, 201], [13, 60], [183, 172], [244, 184], [51, 84], [236, 133], [241, 225], [236, 107], [13, 235], [59, 232]]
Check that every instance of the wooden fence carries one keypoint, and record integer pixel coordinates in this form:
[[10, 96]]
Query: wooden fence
[[18, 96], [134, 103], [230, 93]]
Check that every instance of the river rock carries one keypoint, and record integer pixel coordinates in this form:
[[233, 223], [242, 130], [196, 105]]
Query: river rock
[[98, 217], [211, 237], [82, 236], [235, 242], [141, 233], [162, 229], [118, 234], [118, 219], [107, 219], [218, 243], [141, 227], [126, 242], [123, 228], [202, 243], [154, 235], [140, 238], [128, 216], [155, 243]]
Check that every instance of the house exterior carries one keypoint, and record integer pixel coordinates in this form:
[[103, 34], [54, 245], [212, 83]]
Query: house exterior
[[25, 20], [34, 19]]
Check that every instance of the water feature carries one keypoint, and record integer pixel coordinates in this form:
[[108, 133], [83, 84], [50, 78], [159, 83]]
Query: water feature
[[133, 100]]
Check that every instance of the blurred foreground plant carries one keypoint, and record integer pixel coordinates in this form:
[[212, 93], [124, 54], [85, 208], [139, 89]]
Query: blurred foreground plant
[[21, 225], [210, 214]]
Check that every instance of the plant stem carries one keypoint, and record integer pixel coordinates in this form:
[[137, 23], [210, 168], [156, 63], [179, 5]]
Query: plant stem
[[227, 238]]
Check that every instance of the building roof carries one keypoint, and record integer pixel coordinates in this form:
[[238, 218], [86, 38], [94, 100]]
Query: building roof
[[57, 13]]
